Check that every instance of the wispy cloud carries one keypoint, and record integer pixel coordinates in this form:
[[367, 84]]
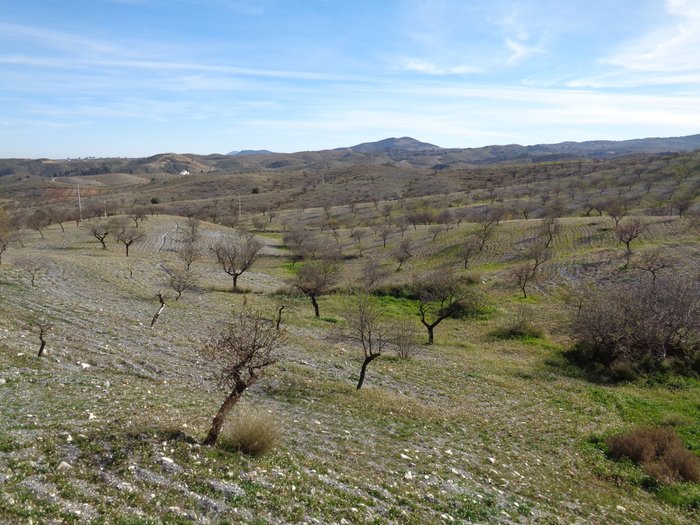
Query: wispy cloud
[[673, 47], [430, 68]]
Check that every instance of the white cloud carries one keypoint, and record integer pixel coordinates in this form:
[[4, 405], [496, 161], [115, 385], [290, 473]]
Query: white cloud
[[430, 68], [673, 47]]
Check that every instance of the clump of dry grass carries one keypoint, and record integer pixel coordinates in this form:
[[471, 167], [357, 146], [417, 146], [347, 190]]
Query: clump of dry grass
[[253, 432], [660, 453]]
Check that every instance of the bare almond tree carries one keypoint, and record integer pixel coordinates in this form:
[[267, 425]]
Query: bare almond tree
[[238, 356], [161, 301], [373, 273], [403, 252], [366, 327], [468, 249], [652, 261], [189, 252], [41, 327], [316, 278], [32, 265], [99, 230], [628, 231], [125, 234], [441, 295], [7, 237], [236, 255], [180, 279]]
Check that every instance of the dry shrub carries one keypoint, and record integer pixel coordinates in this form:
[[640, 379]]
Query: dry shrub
[[405, 338], [519, 325], [253, 432], [649, 325], [660, 453]]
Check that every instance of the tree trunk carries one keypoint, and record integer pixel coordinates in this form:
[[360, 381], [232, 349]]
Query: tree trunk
[[363, 370], [315, 303], [218, 421], [279, 316], [235, 282], [430, 333], [43, 345], [127, 248], [160, 310]]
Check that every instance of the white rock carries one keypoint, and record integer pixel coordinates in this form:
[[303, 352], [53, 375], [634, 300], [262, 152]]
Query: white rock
[[64, 466], [404, 456], [492, 460], [621, 508], [408, 475]]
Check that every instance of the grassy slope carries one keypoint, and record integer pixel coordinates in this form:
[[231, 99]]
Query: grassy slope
[[474, 429]]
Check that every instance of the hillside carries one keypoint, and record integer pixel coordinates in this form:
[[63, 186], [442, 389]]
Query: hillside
[[493, 423], [106, 426], [404, 152]]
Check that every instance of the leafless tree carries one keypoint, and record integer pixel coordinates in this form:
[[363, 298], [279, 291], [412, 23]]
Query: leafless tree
[[628, 231], [616, 210], [384, 231], [59, 216], [237, 255], [548, 230], [38, 220], [441, 295], [403, 252], [127, 235], [238, 356], [41, 327], [373, 273], [189, 252], [652, 261], [7, 237], [99, 230], [180, 279], [366, 327], [316, 278], [683, 201], [468, 249], [161, 301], [138, 214], [32, 265], [297, 241], [357, 234]]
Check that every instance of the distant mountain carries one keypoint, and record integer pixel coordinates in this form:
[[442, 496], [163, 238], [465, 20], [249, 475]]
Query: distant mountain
[[404, 153], [392, 143], [249, 152]]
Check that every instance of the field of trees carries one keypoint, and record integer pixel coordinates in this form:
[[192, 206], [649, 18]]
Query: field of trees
[[505, 343]]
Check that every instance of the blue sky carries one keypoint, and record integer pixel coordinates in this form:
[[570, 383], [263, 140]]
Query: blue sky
[[139, 77]]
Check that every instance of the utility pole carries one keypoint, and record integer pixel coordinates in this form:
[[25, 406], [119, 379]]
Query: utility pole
[[80, 206]]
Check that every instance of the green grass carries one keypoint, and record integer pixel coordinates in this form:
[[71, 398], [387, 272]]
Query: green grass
[[439, 416]]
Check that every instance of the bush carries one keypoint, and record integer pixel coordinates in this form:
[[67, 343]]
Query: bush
[[641, 326], [519, 326], [660, 453], [404, 336], [252, 432]]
